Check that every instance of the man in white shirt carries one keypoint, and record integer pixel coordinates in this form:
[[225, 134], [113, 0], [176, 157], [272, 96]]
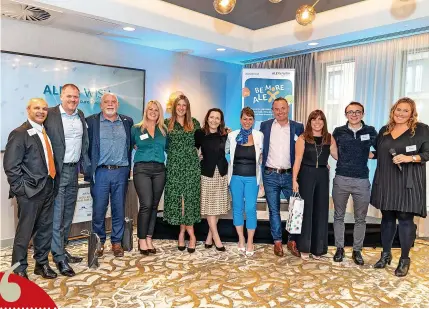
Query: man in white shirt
[[30, 169], [278, 157]]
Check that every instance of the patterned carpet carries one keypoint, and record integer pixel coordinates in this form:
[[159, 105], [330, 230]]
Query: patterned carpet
[[209, 278]]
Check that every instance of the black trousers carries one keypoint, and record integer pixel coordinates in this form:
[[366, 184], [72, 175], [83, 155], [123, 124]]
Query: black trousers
[[407, 230], [35, 217], [149, 181], [314, 189]]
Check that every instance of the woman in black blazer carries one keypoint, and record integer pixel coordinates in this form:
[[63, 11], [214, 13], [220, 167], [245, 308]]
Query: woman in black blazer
[[211, 140], [399, 187]]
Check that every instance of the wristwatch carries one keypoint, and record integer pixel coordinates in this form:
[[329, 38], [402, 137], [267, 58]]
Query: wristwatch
[[414, 158]]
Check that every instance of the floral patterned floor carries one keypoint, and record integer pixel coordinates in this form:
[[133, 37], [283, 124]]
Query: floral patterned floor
[[208, 278]]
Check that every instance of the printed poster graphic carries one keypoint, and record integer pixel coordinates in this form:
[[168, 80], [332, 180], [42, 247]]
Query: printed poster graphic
[[83, 209], [262, 86]]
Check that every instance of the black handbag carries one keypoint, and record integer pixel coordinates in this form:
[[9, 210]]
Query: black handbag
[[127, 239], [94, 244]]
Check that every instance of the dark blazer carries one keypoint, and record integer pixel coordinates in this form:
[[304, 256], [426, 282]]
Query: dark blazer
[[54, 127], [213, 151], [24, 162], [93, 122], [296, 129]]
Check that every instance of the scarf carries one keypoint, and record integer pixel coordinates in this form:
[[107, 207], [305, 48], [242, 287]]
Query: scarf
[[243, 136]]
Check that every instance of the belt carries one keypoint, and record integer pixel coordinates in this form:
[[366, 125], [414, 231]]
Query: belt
[[70, 164], [111, 167], [278, 170]]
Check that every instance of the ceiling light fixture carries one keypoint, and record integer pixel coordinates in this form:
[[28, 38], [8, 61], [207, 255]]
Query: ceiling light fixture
[[220, 49], [275, 1], [306, 14], [129, 28], [224, 6], [313, 44]]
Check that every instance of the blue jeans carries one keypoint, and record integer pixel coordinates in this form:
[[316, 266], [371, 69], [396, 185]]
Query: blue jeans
[[111, 184], [274, 184], [244, 192], [64, 206]]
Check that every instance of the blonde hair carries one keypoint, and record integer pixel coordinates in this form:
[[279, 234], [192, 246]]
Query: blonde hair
[[411, 123], [173, 96], [188, 125], [160, 122]]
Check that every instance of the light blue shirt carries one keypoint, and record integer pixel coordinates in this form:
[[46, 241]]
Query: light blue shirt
[[113, 142], [73, 133]]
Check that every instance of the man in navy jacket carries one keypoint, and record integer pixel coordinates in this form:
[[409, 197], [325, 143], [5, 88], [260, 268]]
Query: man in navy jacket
[[110, 155], [278, 158]]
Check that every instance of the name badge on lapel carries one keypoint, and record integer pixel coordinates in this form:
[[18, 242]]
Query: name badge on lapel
[[144, 136], [31, 131], [364, 137], [295, 138], [411, 148]]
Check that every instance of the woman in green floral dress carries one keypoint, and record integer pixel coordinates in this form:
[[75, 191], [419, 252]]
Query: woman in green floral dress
[[182, 189]]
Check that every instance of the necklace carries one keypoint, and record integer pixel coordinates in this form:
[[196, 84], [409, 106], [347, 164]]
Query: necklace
[[318, 153]]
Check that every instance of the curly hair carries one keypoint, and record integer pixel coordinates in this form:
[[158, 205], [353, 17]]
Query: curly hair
[[411, 123]]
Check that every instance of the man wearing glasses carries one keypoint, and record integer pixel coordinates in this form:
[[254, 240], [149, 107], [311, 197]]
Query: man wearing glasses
[[354, 141]]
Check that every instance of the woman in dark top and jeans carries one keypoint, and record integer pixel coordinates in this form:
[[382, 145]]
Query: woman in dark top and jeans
[[399, 188], [311, 179], [244, 175], [149, 139], [211, 140]]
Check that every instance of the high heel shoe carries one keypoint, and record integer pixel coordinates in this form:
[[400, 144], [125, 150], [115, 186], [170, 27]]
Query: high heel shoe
[[222, 249], [250, 253], [403, 267], [144, 252], [207, 246], [191, 250], [386, 258], [181, 248], [153, 250]]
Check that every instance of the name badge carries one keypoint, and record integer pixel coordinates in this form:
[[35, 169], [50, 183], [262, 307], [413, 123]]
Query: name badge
[[295, 137], [364, 137], [31, 131], [411, 148], [144, 136]]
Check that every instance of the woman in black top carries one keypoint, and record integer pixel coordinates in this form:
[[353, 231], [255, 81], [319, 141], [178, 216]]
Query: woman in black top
[[399, 188], [211, 140], [311, 179]]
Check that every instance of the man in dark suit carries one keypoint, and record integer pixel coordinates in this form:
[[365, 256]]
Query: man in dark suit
[[278, 158], [110, 155], [67, 129], [30, 169]]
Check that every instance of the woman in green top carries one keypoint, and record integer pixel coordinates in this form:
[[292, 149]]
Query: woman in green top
[[149, 139], [182, 190]]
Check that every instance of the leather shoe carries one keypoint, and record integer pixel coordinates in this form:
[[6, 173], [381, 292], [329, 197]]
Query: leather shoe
[[117, 250], [403, 267], [45, 271], [22, 274], [65, 269], [291, 246], [386, 258], [278, 248], [101, 251], [73, 259], [357, 257], [339, 255]]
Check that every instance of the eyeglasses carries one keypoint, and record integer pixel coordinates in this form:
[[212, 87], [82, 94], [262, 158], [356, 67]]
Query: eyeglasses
[[357, 113]]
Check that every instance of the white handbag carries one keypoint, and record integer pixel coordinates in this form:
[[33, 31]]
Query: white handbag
[[296, 213]]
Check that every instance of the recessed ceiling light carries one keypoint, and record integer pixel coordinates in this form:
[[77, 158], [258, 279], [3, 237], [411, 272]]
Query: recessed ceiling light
[[129, 28], [220, 49], [313, 44]]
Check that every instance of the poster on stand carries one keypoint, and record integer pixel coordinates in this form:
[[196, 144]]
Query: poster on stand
[[83, 210], [262, 86]]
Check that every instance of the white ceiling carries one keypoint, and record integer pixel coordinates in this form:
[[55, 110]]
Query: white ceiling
[[162, 25]]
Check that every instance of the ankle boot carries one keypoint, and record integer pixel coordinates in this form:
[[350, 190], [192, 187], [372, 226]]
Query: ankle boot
[[386, 258], [403, 266]]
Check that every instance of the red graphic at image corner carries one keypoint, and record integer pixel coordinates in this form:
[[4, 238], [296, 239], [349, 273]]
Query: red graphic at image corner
[[18, 292]]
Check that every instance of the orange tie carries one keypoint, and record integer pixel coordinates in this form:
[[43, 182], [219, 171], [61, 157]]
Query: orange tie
[[51, 164]]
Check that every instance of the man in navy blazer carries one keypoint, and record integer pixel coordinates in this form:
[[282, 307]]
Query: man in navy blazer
[[110, 155], [278, 158]]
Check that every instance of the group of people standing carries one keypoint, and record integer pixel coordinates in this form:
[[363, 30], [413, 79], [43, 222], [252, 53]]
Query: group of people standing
[[44, 156]]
